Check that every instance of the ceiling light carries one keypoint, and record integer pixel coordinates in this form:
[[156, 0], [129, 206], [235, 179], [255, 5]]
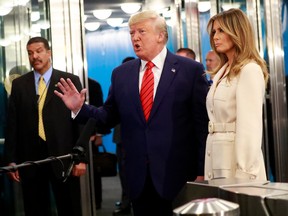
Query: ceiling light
[[44, 24], [130, 8], [204, 6], [92, 26], [21, 2], [167, 13], [4, 10], [102, 14], [115, 22], [35, 15], [4, 42], [227, 6]]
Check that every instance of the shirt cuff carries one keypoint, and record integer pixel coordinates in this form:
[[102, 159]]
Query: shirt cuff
[[74, 115]]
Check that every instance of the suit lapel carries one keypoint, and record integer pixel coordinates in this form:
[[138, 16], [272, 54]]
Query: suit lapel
[[31, 90], [52, 86], [134, 87]]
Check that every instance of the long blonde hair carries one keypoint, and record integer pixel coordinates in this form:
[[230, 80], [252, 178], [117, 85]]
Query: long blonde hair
[[236, 24]]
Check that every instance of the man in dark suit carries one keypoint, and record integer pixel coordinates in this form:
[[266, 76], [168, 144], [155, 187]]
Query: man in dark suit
[[23, 142], [166, 148]]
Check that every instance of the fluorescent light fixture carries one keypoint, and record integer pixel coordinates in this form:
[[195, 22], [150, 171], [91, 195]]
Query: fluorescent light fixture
[[21, 2], [130, 8], [204, 6], [115, 22], [92, 26], [4, 10], [102, 14], [4, 42], [167, 13], [44, 24], [227, 6], [35, 15]]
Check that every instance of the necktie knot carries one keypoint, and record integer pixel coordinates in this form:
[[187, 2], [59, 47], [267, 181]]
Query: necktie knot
[[149, 65]]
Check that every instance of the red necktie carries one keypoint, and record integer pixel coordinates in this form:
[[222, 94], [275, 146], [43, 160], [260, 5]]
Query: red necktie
[[147, 90]]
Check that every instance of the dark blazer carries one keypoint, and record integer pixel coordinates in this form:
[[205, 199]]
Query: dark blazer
[[21, 141], [172, 142], [95, 93]]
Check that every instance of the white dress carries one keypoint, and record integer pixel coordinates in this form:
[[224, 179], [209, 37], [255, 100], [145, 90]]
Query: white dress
[[233, 148]]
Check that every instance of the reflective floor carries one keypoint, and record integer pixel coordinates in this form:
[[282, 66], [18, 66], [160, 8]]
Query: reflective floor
[[111, 191]]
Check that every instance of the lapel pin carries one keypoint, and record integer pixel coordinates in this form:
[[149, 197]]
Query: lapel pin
[[173, 70]]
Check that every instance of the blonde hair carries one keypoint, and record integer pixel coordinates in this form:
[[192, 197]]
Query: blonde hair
[[236, 24], [158, 21]]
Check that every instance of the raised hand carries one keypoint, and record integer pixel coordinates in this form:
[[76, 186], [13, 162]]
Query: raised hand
[[70, 95]]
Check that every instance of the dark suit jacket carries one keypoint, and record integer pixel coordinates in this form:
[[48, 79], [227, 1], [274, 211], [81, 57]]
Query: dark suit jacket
[[173, 140], [95, 93], [22, 141]]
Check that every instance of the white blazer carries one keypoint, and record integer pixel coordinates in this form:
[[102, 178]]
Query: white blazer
[[233, 148]]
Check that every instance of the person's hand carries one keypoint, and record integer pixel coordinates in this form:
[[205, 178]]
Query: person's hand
[[98, 140], [70, 95], [79, 169], [199, 178], [13, 175]]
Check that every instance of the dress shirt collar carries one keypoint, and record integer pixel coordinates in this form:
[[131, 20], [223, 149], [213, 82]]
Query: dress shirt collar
[[47, 75], [158, 60]]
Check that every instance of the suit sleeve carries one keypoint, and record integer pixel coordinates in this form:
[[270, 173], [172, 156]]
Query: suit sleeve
[[200, 118], [249, 99], [96, 99], [11, 130]]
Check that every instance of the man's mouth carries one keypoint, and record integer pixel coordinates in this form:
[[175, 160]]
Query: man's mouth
[[36, 62]]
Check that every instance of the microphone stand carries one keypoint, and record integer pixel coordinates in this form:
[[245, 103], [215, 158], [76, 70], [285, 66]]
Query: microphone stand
[[76, 157]]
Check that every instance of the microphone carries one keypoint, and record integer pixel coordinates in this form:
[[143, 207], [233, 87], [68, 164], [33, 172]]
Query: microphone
[[82, 144]]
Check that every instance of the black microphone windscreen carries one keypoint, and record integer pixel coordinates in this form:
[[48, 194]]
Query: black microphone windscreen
[[86, 133]]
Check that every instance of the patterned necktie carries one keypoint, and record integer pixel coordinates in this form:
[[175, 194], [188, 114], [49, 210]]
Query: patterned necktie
[[147, 90], [42, 91]]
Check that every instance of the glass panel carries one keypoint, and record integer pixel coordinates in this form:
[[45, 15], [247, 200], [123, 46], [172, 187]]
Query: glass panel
[[18, 22], [204, 8], [284, 18]]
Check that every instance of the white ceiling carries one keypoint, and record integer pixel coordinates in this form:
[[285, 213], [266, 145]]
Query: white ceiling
[[114, 5]]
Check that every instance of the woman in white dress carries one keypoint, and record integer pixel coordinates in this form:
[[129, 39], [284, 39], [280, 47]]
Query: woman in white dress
[[235, 100]]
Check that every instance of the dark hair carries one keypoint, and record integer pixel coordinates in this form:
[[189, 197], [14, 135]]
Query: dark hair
[[189, 52], [39, 40], [128, 59]]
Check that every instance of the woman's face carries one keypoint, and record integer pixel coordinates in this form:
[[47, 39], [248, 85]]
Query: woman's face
[[222, 41]]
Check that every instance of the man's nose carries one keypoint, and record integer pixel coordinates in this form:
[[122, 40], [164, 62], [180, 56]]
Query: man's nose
[[135, 36]]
